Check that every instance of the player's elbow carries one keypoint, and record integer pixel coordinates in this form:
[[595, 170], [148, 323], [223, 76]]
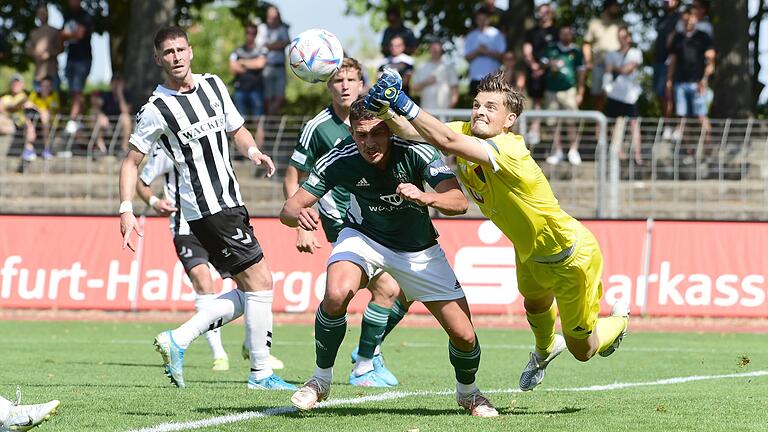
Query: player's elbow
[[458, 207], [289, 215]]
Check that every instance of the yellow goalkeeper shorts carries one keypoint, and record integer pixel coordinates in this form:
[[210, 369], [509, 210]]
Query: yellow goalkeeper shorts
[[575, 282]]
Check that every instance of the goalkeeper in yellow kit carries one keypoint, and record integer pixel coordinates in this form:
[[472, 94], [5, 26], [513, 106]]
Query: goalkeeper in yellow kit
[[557, 257]]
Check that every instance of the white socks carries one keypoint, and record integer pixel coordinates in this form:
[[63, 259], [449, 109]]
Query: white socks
[[5, 409], [258, 331], [325, 375], [213, 336], [216, 313], [363, 365], [465, 388]]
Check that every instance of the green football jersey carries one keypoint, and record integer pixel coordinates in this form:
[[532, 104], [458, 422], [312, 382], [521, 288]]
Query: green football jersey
[[317, 138], [569, 61], [375, 208]]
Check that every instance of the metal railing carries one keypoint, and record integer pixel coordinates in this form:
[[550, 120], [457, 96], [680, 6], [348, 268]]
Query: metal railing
[[676, 169]]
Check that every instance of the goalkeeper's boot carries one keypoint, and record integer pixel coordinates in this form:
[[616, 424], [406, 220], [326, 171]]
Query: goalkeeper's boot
[[25, 417], [272, 382], [620, 309], [173, 358], [476, 403], [313, 391], [534, 371]]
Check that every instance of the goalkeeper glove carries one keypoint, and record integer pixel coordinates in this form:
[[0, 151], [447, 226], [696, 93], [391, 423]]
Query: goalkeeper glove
[[389, 89]]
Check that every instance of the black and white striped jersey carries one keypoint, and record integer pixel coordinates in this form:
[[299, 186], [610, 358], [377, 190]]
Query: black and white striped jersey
[[159, 165], [191, 128]]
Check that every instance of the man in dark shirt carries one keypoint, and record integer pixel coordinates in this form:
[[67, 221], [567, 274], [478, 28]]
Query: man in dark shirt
[[665, 29], [78, 27], [397, 28], [691, 64], [537, 40]]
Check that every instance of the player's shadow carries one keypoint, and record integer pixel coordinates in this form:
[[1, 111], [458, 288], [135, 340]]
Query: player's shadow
[[526, 411], [80, 385], [335, 411], [98, 363]]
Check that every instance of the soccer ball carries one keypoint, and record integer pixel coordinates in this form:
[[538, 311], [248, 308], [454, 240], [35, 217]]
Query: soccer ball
[[315, 55]]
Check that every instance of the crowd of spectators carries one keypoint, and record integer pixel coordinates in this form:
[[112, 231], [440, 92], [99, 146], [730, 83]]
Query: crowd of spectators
[[602, 72], [553, 71]]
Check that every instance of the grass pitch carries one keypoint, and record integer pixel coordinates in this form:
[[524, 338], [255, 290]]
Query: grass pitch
[[108, 378]]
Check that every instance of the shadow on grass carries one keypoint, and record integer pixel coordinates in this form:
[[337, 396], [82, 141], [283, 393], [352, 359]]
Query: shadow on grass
[[526, 411], [349, 411]]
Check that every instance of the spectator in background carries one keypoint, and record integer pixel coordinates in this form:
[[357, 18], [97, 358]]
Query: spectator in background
[[691, 64], [601, 38], [624, 89], [397, 28], [537, 41], [78, 27], [47, 103], [665, 29], [700, 8], [43, 45], [16, 105], [399, 61], [483, 48], [247, 64], [564, 89], [274, 37], [512, 73], [436, 80], [116, 105], [497, 16]]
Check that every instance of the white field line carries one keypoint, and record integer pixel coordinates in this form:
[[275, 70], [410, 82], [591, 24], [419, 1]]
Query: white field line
[[417, 345], [249, 415]]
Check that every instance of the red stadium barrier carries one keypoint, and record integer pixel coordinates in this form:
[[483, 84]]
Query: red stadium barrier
[[694, 268]]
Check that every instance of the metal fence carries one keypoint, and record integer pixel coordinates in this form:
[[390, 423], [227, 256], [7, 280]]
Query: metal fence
[[652, 167]]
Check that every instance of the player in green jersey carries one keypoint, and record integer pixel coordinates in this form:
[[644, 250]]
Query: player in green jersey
[[387, 228], [328, 128]]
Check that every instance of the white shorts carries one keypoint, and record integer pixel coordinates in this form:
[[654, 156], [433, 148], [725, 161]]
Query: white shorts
[[424, 276]]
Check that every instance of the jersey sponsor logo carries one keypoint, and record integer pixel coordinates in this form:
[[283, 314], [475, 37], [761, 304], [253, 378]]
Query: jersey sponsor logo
[[439, 167], [200, 129], [298, 157], [393, 199], [362, 183]]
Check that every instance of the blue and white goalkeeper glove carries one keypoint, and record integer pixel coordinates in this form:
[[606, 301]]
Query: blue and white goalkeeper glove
[[388, 91]]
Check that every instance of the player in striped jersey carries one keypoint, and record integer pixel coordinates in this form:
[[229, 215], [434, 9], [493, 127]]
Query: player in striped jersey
[[387, 228], [318, 137], [190, 252], [556, 256], [191, 116]]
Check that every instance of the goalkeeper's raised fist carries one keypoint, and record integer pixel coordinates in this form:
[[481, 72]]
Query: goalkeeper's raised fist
[[388, 91]]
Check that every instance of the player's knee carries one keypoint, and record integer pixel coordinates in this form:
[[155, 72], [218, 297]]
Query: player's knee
[[464, 339], [582, 356], [336, 299]]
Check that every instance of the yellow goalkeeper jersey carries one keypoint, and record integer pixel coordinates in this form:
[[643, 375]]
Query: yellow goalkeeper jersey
[[516, 196]]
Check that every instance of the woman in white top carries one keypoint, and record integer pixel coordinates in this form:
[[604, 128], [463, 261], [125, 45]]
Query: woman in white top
[[622, 85]]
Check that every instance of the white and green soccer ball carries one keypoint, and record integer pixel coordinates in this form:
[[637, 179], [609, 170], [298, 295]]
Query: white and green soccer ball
[[315, 55]]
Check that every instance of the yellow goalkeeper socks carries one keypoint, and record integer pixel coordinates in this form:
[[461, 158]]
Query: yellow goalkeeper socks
[[608, 329], [543, 328]]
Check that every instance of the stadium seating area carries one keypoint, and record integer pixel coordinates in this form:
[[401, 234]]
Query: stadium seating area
[[720, 176]]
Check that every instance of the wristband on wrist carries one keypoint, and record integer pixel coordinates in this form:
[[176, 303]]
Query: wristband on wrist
[[125, 207], [153, 200], [252, 151]]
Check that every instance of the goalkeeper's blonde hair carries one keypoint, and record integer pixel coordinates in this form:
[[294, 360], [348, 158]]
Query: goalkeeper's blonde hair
[[495, 83]]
